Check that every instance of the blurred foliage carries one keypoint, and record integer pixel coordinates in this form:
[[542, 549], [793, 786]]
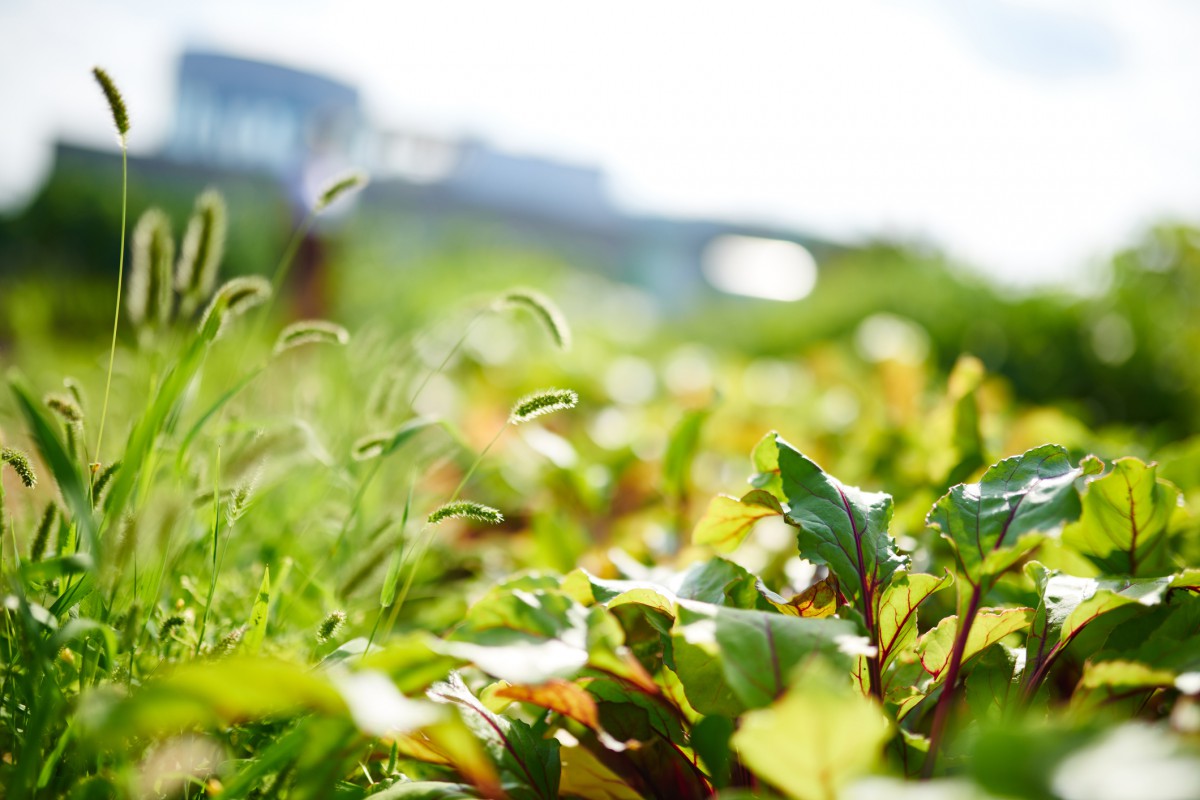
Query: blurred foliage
[[251, 604]]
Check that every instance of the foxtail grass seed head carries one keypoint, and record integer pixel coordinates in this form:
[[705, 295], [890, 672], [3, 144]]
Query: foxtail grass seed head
[[20, 464], [65, 406], [103, 479], [229, 642], [169, 625], [541, 403], [544, 311], [234, 298], [203, 247], [310, 331], [466, 509], [116, 103], [330, 626], [239, 501], [42, 538], [76, 391], [348, 183], [151, 290]]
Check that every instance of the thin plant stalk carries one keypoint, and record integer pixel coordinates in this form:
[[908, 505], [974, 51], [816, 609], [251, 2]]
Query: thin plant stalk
[[216, 562], [941, 712], [449, 355], [112, 353]]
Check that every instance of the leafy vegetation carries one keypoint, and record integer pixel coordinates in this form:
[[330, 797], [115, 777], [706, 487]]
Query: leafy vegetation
[[315, 566]]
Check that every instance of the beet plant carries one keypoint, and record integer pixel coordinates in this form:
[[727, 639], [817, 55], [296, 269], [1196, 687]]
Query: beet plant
[[289, 582]]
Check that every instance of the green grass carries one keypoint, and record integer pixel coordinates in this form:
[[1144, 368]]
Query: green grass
[[323, 559]]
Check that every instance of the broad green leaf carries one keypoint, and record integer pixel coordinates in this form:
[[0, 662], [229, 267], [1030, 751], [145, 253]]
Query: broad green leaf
[[994, 684], [897, 616], [587, 589], [662, 765], [749, 653], [256, 627], [720, 582], [990, 626], [993, 523], [711, 737], [765, 458], [533, 635], [815, 739], [1124, 522], [729, 520], [1068, 604], [516, 749], [839, 525], [523, 636]]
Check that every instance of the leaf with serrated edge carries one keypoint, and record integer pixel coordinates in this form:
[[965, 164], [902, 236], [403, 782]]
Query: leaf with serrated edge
[[993, 523], [841, 526], [990, 626], [728, 520], [1124, 522]]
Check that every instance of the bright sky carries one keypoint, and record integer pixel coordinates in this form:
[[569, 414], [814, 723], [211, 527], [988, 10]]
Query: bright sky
[[1026, 138]]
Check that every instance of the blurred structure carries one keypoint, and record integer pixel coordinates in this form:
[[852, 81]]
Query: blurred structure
[[288, 133]]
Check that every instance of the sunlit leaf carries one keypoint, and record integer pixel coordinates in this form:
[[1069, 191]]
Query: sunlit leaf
[[815, 739], [587, 777], [898, 611], [1123, 525], [993, 523], [839, 525], [256, 627], [733, 659], [990, 626], [728, 520], [819, 600], [520, 753], [1069, 604]]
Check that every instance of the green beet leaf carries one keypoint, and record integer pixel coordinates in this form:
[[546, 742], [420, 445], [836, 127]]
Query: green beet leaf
[[520, 754], [993, 523], [730, 659], [989, 627], [728, 520], [841, 526], [1069, 604], [816, 738], [1124, 522], [898, 612]]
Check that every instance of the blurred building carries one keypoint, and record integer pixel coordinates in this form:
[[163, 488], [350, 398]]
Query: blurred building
[[239, 120]]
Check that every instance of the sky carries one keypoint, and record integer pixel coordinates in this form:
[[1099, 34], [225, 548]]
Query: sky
[[1026, 139]]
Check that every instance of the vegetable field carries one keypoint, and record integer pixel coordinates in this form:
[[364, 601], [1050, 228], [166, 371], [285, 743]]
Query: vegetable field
[[494, 555]]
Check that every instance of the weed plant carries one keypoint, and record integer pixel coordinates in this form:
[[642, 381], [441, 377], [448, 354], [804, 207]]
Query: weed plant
[[193, 612]]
